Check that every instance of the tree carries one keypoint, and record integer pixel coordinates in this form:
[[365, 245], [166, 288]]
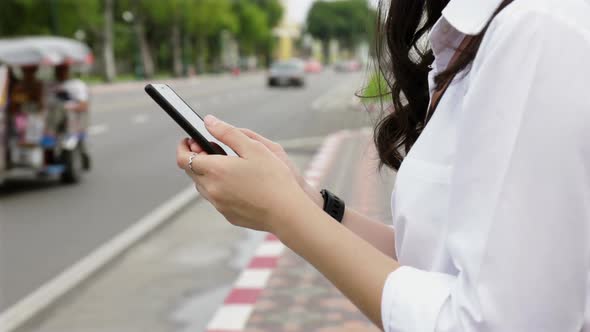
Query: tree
[[167, 16], [171, 33], [110, 71], [207, 20], [137, 8], [253, 26], [63, 17], [347, 21], [274, 11]]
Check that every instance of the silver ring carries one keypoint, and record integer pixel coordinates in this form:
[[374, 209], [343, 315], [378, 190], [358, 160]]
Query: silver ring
[[190, 162]]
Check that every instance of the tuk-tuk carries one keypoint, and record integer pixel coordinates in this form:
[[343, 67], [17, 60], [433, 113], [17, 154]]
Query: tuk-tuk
[[43, 126]]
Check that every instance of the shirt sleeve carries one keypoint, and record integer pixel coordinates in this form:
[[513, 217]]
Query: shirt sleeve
[[518, 212]]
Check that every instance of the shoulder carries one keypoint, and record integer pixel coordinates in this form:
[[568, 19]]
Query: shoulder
[[543, 15], [537, 28]]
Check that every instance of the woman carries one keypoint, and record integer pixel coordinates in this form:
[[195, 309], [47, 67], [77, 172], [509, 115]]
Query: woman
[[492, 201]]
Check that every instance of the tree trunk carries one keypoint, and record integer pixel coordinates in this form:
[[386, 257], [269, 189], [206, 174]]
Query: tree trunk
[[326, 51], [110, 71], [147, 61], [176, 51], [201, 54]]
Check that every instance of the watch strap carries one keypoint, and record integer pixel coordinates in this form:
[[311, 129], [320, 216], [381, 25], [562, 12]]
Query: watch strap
[[333, 205]]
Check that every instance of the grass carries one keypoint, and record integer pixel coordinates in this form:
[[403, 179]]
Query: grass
[[376, 90]]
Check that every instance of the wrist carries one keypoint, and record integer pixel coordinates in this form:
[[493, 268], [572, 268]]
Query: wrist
[[302, 215], [313, 194]]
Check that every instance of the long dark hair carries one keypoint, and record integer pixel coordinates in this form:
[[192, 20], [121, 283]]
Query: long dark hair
[[405, 65]]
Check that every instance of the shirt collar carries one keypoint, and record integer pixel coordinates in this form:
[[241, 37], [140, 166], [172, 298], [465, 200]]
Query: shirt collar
[[460, 18], [470, 16]]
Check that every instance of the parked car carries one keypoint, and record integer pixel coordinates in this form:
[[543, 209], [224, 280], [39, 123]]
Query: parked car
[[287, 73], [313, 66]]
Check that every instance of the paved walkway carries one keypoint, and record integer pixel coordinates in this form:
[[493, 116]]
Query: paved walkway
[[279, 291]]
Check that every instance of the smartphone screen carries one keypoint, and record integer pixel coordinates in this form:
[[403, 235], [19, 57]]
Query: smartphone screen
[[190, 115]]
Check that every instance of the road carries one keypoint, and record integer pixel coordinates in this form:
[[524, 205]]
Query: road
[[46, 227]]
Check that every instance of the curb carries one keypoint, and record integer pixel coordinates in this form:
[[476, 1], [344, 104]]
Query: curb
[[238, 306], [139, 84]]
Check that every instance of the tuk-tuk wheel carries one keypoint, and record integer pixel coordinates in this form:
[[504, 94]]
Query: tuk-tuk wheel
[[74, 164], [86, 161]]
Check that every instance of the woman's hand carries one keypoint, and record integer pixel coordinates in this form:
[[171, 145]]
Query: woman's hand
[[254, 190], [280, 153]]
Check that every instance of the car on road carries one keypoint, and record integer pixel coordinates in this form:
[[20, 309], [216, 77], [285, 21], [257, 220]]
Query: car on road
[[287, 73]]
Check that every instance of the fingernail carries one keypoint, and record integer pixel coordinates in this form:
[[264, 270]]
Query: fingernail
[[210, 120]]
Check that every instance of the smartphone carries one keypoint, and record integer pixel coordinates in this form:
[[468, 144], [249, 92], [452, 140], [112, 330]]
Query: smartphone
[[186, 118]]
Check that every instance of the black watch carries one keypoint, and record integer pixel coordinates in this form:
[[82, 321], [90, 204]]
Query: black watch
[[333, 205]]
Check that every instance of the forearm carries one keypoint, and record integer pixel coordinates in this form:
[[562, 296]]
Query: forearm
[[376, 233], [81, 106], [354, 266]]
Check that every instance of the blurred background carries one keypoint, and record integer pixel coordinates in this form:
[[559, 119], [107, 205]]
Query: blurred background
[[147, 38], [99, 230]]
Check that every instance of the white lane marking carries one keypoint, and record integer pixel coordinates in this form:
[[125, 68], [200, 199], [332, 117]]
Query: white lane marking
[[140, 119], [51, 291], [253, 278], [231, 317], [97, 130]]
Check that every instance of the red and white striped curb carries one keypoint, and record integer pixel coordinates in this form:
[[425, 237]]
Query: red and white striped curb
[[239, 304], [367, 177]]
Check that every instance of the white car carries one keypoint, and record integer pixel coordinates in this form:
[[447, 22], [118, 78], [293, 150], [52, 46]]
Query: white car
[[287, 73]]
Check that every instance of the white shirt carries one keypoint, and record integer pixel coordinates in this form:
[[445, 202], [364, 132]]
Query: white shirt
[[492, 204], [77, 89]]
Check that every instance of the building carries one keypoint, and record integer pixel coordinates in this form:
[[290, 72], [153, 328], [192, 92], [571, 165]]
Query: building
[[287, 34]]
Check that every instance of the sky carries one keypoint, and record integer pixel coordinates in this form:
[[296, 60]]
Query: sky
[[297, 9]]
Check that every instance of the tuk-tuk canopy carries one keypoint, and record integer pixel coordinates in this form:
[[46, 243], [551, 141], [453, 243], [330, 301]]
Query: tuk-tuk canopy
[[43, 51]]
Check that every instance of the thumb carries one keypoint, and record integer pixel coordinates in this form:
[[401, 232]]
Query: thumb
[[228, 135]]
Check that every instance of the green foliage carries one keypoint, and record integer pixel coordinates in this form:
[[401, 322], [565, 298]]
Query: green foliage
[[273, 9], [253, 26], [200, 22], [377, 89], [59, 17], [347, 21]]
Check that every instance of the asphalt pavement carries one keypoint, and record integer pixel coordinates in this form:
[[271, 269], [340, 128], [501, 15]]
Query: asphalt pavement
[[46, 227]]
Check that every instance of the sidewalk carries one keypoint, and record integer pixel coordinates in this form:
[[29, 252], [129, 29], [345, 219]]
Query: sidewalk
[[280, 291]]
